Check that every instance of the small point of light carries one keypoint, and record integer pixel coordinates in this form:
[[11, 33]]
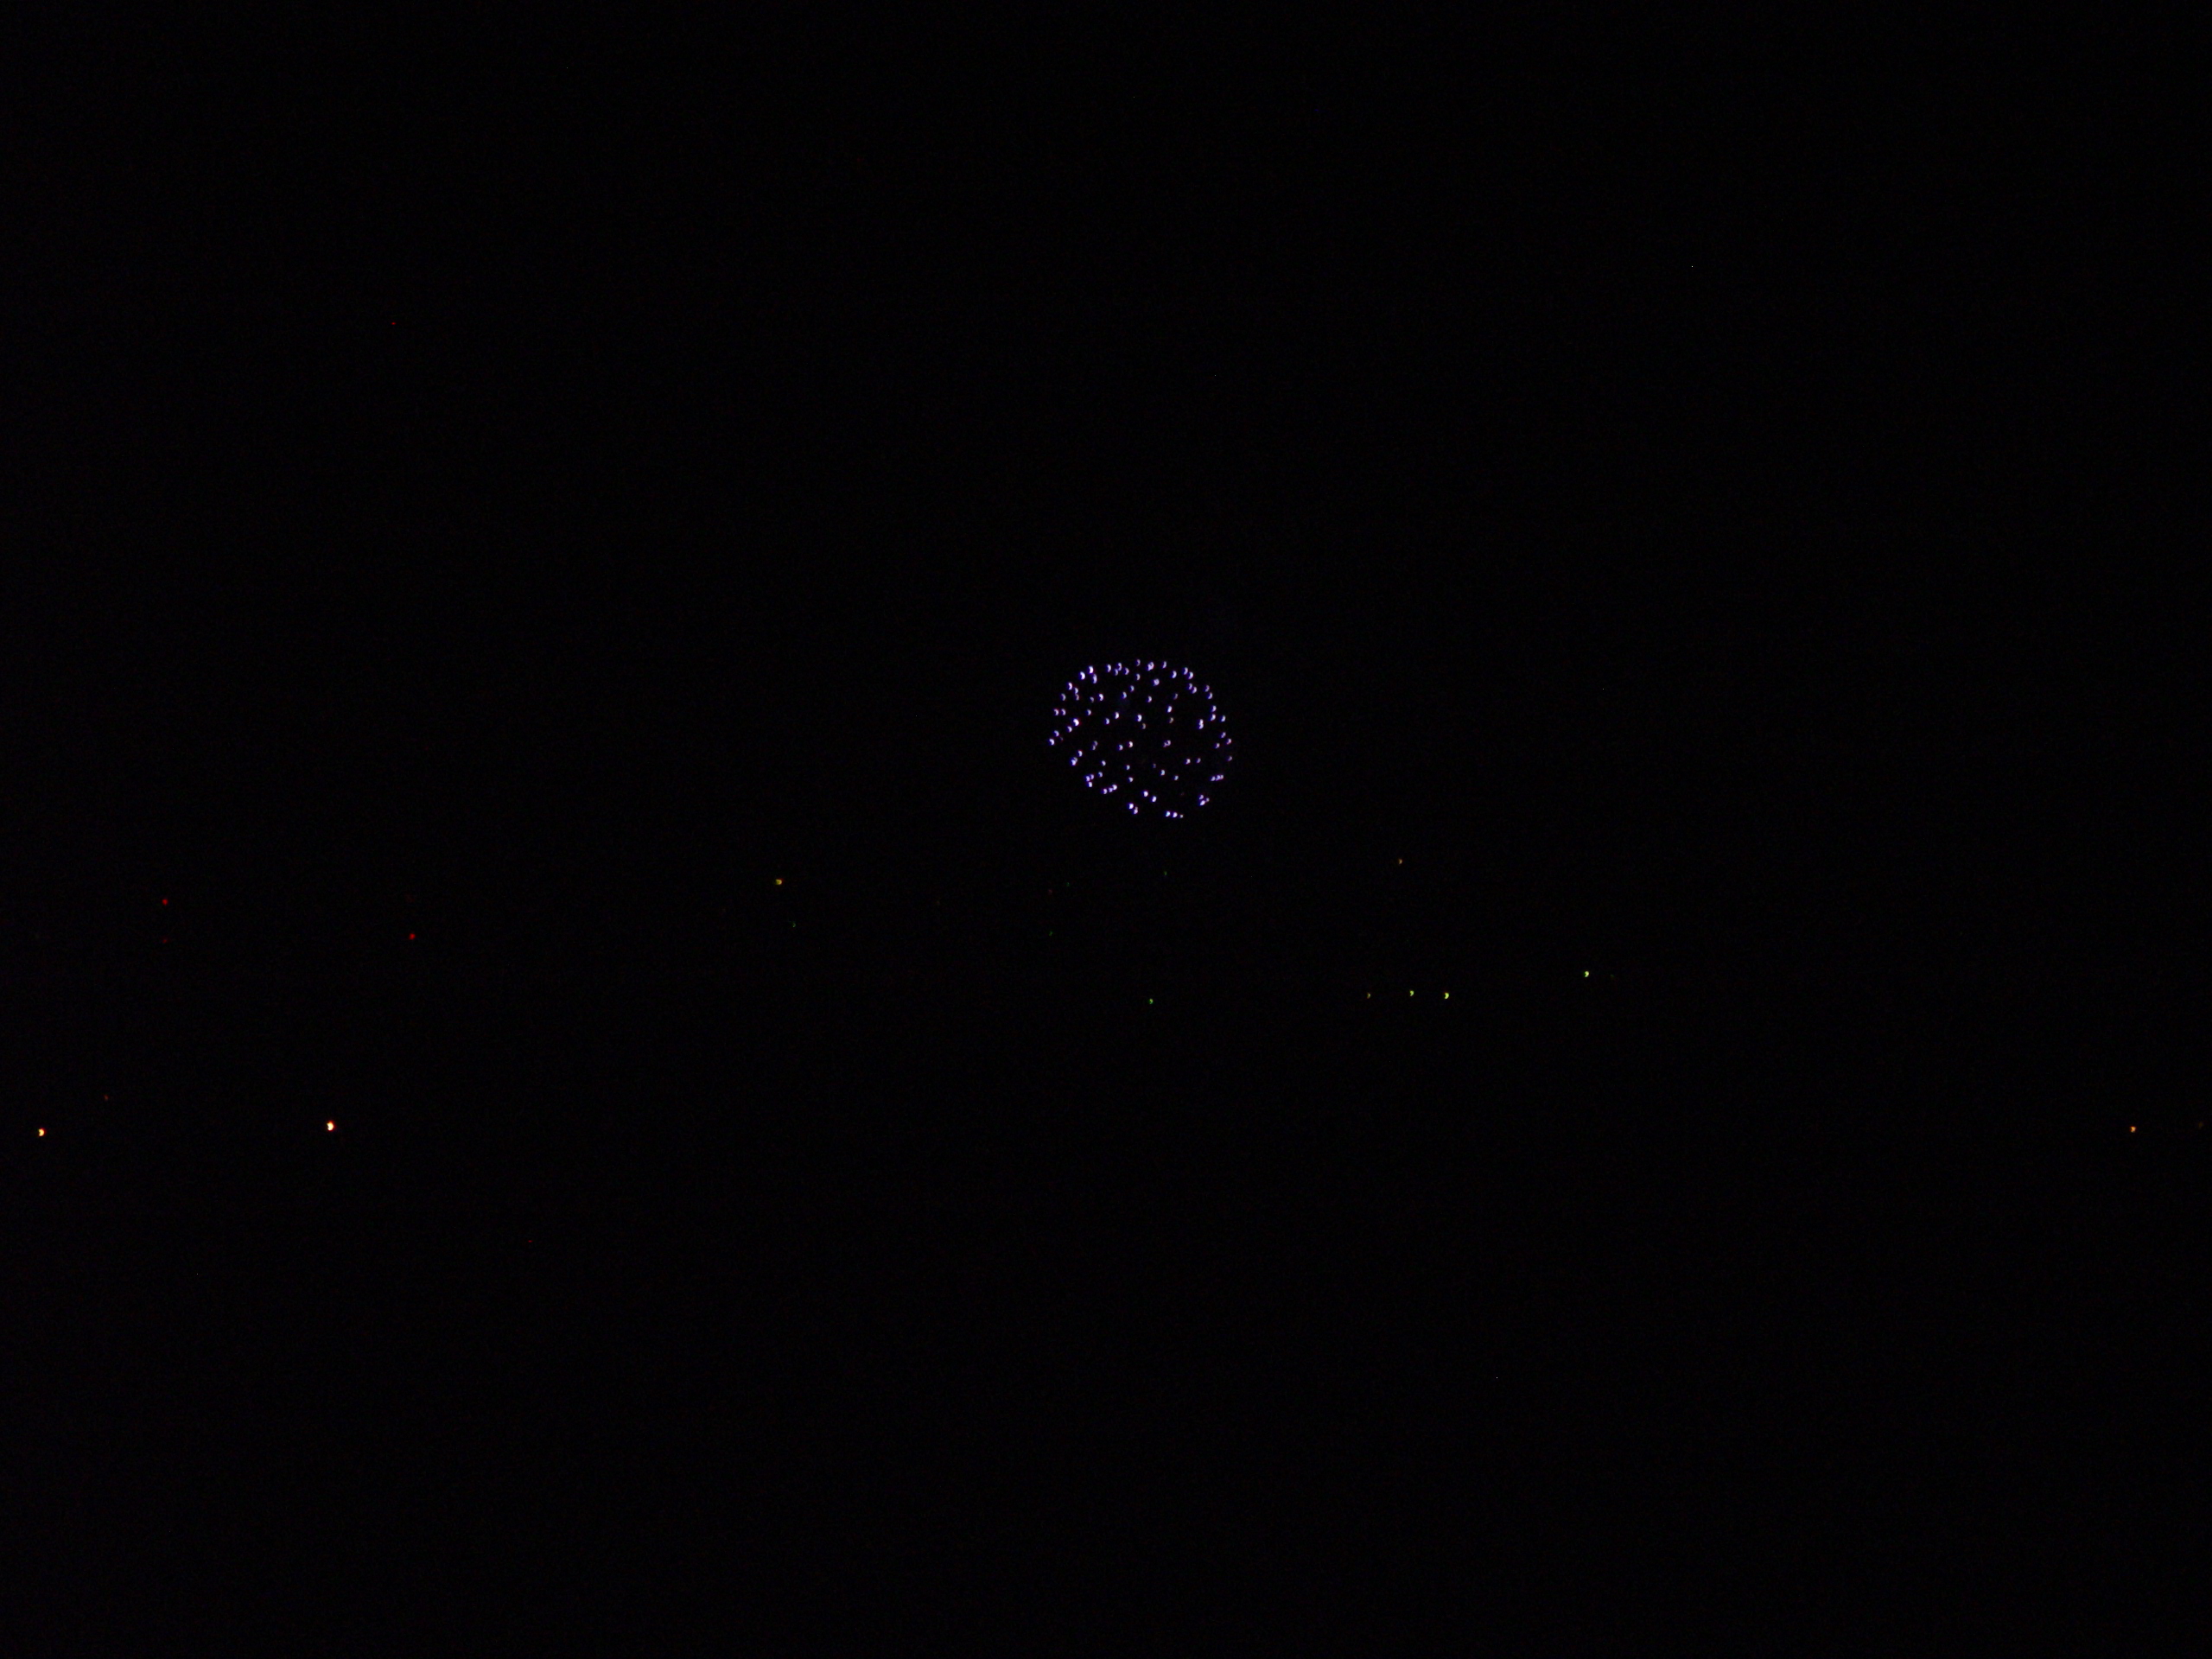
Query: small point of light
[[41, 1132], [410, 936], [2131, 1129], [1585, 973], [330, 1126], [779, 881], [165, 901], [1447, 996]]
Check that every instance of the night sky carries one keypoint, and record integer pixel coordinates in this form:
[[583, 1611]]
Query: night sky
[[571, 1058]]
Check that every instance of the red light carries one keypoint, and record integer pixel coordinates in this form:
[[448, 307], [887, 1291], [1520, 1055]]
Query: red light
[[410, 936]]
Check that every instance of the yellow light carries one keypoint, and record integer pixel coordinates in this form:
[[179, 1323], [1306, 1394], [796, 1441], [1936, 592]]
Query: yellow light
[[329, 1127], [41, 1131], [1447, 996], [779, 881]]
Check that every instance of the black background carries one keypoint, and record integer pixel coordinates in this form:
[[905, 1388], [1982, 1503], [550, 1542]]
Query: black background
[[543, 563]]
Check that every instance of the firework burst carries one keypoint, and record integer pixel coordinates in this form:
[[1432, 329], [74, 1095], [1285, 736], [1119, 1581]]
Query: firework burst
[[1144, 736]]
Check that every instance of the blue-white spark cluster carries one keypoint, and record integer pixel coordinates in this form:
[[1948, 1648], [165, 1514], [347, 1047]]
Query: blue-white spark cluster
[[1144, 735]]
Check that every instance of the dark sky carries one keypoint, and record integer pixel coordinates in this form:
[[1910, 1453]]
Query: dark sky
[[1688, 493], [1688, 475], [1706, 507]]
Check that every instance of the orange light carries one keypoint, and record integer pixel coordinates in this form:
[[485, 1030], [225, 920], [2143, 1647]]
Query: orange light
[[327, 1127], [41, 1131]]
